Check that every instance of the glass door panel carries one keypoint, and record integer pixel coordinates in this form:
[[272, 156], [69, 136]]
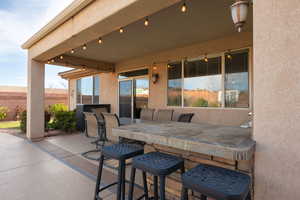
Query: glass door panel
[[141, 95], [125, 99]]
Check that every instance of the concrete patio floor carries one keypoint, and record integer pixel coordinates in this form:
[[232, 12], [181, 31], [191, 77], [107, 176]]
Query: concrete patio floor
[[50, 169]]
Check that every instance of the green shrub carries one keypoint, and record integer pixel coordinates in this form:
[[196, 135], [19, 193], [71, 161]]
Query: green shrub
[[23, 118], [65, 121], [3, 112], [55, 108]]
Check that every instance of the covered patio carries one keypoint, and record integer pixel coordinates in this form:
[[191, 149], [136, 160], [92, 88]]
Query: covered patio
[[116, 40]]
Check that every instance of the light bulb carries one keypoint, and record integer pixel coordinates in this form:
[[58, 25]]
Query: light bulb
[[154, 68], [61, 57], [146, 23], [100, 41], [205, 58], [121, 30], [229, 56], [48, 61], [183, 7], [84, 47], [72, 51], [52, 60]]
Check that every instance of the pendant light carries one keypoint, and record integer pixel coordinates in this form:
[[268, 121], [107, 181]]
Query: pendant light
[[100, 40], [184, 7], [146, 23]]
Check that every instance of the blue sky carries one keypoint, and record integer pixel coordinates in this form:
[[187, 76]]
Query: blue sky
[[20, 19]]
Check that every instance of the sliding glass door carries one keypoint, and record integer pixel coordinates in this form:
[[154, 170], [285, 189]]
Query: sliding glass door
[[125, 99], [133, 96]]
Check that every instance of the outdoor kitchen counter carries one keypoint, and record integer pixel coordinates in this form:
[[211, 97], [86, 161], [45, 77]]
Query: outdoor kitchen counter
[[227, 142]]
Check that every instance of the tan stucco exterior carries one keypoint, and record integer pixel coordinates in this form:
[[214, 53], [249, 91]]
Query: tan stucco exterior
[[275, 83], [277, 99], [158, 91]]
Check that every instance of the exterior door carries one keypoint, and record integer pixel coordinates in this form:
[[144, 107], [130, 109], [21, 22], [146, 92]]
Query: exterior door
[[125, 99], [141, 96], [133, 96]]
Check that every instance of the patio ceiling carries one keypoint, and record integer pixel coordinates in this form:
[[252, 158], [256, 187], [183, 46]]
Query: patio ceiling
[[169, 28]]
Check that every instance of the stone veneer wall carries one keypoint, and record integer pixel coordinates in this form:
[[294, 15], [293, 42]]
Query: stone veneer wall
[[173, 185]]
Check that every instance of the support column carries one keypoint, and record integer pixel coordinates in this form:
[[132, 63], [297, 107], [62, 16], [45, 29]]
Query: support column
[[35, 100], [277, 99]]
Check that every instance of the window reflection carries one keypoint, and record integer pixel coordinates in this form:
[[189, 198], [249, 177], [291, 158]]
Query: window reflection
[[96, 90], [236, 80], [174, 84], [202, 83], [88, 90]]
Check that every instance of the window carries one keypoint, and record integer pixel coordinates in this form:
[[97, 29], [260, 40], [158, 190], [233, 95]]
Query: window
[[203, 83], [88, 90], [236, 80], [210, 83], [96, 90], [174, 84]]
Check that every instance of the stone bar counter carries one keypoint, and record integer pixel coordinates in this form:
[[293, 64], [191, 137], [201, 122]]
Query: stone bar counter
[[223, 146]]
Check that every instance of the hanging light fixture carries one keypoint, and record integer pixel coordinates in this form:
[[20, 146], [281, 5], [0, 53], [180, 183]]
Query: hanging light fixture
[[84, 47], [100, 40], [121, 30], [183, 7], [228, 55], [72, 51], [146, 23], [205, 58], [239, 12]]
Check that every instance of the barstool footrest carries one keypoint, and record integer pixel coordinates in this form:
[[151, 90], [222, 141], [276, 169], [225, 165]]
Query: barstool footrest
[[108, 186]]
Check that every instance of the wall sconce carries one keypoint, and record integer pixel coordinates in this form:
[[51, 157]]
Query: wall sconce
[[155, 77], [239, 12]]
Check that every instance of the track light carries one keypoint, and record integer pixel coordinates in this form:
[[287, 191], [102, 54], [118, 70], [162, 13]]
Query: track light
[[72, 51], [146, 23], [121, 30], [100, 40], [184, 7], [84, 47]]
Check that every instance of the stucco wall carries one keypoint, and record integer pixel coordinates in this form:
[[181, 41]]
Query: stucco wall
[[15, 98], [277, 99], [158, 91]]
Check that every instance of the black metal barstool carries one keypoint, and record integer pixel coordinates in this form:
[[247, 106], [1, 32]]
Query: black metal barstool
[[120, 152], [159, 165], [217, 183]]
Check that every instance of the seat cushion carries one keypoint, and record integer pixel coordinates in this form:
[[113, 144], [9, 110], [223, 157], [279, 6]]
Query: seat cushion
[[122, 151], [217, 183], [157, 163]]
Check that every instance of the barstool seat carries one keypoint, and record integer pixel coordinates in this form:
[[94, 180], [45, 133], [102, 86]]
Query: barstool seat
[[122, 151], [157, 163], [217, 183]]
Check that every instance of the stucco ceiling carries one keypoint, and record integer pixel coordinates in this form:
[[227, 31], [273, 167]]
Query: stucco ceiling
[[169, 28]]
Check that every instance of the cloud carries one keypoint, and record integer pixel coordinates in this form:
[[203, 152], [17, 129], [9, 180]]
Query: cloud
[[19, 20], [22, 20]]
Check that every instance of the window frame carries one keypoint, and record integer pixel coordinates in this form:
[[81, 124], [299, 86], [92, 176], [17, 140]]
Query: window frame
[[93, 78], [213, 55]]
